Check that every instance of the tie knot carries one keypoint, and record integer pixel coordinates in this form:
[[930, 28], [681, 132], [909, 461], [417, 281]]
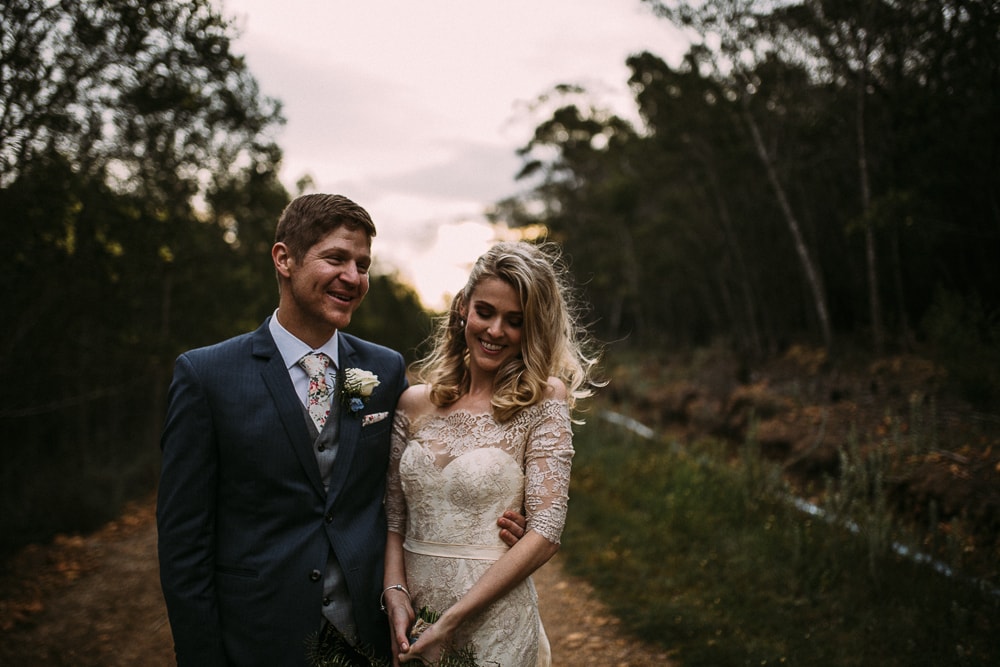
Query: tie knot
[[315, 364]]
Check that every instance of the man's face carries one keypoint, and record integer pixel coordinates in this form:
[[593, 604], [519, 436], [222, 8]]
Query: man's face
[[320, 292]]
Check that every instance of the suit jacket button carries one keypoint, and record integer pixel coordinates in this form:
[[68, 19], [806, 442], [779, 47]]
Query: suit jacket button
[[328, 518], [315, 575], [326, 602]]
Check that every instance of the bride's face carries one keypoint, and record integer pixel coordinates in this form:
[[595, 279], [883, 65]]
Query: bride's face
[[494, 325]]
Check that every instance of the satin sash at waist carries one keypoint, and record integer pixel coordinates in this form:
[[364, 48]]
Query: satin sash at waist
[[469, 551]]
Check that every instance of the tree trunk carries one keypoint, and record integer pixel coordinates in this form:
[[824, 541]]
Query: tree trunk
[[808, 265], [632, 271], [871, 258], [732, 243], [897, 272]]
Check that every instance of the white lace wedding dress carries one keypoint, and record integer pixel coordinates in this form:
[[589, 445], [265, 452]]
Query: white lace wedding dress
[[450, 479]]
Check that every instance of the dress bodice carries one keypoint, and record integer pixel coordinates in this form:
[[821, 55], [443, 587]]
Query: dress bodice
[[451, 475]]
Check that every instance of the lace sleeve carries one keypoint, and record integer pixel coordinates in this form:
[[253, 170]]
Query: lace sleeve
[[547, 462], [395, 503]]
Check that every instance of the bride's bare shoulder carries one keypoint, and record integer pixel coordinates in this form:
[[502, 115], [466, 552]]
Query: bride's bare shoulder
[[556, 389], [416, 400]]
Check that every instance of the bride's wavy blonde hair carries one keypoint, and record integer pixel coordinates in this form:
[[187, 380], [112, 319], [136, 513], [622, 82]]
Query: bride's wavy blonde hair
[[553, 342]]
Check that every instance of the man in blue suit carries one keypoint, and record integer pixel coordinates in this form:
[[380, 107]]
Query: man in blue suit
[[270, 515]]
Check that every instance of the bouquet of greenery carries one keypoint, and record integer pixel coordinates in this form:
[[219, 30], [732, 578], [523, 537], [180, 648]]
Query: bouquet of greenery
[[329, 648]]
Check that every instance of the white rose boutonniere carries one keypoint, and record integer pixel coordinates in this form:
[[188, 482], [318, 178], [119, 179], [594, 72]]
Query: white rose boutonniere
[[357, 387]]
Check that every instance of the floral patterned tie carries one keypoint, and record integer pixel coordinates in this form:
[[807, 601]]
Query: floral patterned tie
[[318, 406]]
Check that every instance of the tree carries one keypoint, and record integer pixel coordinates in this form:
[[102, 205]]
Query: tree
[[915, 82], [144, 88], [846, 37], [585, 198], [734, 25], [137, 179], [393, 316], [693, 153]]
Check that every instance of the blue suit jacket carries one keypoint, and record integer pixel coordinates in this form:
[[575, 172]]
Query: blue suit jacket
[[244, 524]]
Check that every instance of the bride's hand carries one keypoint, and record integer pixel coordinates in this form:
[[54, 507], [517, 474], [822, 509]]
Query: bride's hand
[[428, 648], [401, 618]]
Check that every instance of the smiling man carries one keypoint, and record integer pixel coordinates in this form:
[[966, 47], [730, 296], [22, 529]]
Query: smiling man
[[270, 517]]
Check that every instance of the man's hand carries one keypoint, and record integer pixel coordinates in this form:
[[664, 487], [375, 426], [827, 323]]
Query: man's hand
[[511, 527]]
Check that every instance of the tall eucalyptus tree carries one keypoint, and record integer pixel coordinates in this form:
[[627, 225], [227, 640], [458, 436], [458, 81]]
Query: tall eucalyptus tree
[[733, 47]]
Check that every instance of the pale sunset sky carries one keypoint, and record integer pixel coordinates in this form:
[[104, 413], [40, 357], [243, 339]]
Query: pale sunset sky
[[415, 109]]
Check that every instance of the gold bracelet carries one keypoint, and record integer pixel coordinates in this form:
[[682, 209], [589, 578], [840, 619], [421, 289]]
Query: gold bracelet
[[394, 587]]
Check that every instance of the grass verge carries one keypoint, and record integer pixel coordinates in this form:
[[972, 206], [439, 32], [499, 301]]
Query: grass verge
[[709, 560]]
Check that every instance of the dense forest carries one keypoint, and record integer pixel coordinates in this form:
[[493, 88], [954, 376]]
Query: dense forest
[[138, 199], [821, 171], [817, 170]]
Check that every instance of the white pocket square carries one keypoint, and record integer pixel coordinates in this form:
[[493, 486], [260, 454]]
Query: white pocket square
[[368, 420]]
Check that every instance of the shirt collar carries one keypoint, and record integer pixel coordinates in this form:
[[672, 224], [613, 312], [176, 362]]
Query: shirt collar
[[292, 349]]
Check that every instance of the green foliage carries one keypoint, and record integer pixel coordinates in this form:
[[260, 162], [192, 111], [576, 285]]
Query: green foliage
[[329, 648], [152, 88], [139, 192], [392, 315], [706, 557], [872, 115], [103, 294], [965, 337]]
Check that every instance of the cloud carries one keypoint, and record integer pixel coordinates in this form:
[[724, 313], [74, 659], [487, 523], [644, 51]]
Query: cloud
[[415, 110], [474, 171]]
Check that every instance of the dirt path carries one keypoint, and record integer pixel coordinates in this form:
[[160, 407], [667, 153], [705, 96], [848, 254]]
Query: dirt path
[[95, 601]]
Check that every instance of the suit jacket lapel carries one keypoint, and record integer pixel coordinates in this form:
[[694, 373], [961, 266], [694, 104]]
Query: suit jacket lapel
[[275, 377], [349, 432]]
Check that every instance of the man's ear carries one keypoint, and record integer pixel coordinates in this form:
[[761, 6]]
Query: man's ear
[[282, 259]]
